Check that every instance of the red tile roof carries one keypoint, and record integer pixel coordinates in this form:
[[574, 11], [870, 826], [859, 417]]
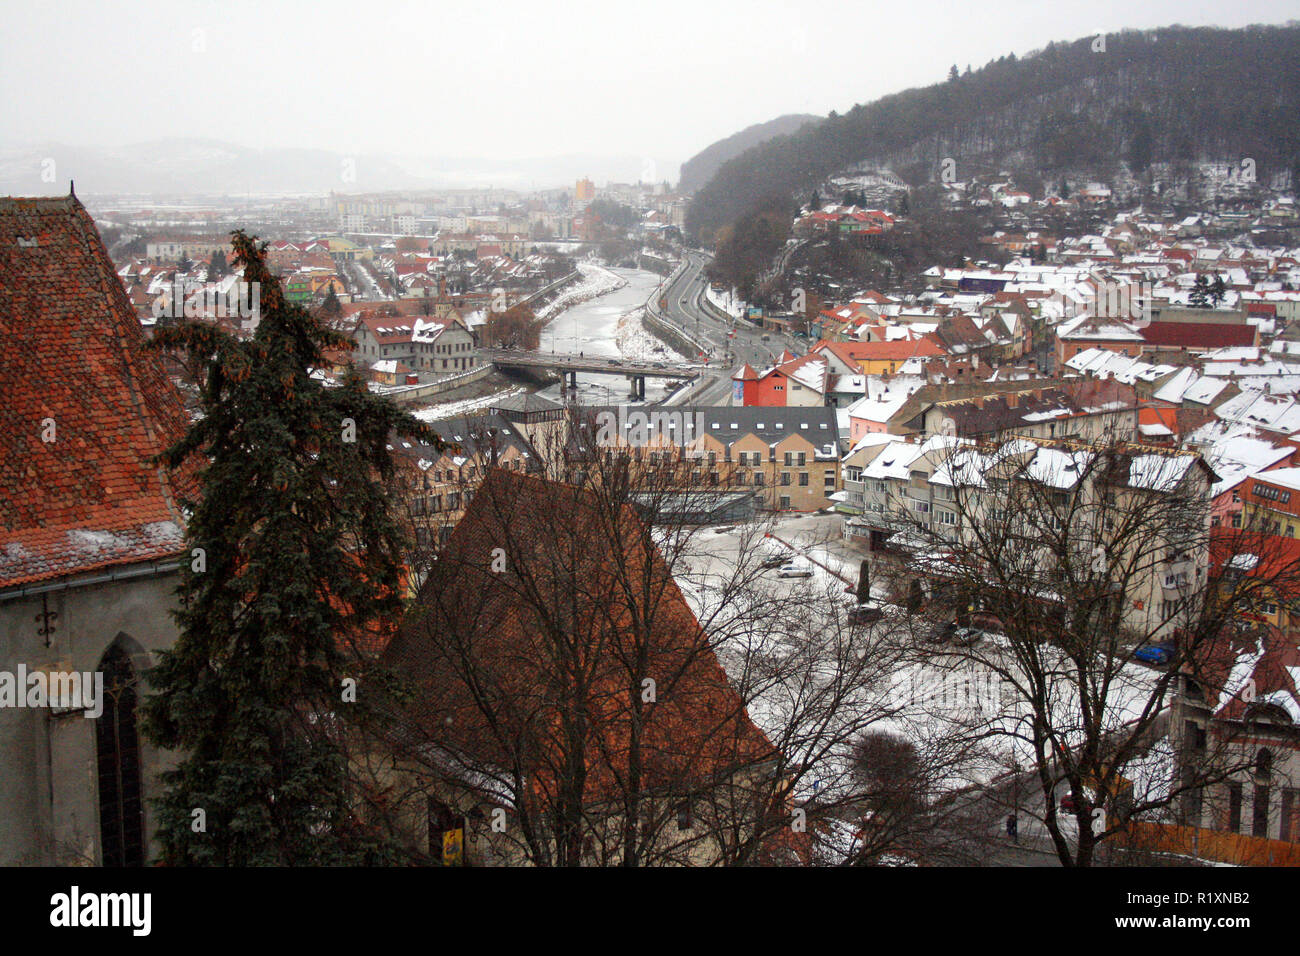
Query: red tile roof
[[897, 350], [1198, 335], [72, 356], [698, 729]]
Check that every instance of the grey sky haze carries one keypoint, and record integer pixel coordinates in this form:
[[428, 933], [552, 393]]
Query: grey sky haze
[[660, 80]]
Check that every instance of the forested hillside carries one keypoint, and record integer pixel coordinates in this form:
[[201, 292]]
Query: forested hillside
[[1174, 95], [699, 169]]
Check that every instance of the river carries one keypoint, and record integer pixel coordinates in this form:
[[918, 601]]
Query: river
[[592, 328]]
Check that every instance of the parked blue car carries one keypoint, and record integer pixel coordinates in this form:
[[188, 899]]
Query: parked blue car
[[1154, 653]]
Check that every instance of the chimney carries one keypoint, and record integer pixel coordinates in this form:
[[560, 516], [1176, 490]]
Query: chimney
[[1013, 399]]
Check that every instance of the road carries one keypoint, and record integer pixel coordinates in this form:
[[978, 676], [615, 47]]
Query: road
[[684, 294]]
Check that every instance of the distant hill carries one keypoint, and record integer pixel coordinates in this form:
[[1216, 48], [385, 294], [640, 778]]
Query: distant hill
[[183, 166], [1174, 95], [699, 169]]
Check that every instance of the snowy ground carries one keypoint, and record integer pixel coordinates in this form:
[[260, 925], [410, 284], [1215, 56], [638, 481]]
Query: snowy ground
[[929, 693], [637, 343], [726, 301], [596, 281], [464, 406]]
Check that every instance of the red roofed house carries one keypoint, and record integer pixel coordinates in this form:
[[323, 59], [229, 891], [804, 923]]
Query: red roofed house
[[795, 382], [878, 358], [501, 657], [91, 536], [435, 346]]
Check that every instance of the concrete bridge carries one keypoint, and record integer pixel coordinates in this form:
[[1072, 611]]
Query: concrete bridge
[[569, 366]]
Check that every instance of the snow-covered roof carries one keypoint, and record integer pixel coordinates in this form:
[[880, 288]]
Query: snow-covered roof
[[1235, 452], [1158, 472]]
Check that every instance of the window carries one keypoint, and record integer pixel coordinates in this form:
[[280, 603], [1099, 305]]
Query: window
[[1259, 813], [789, 459], [785, 502], [1264, 763], [829, 481], [1271, 494], [1234, 807], [117, 746], [785, 478], [683, 811], [1290, 829], [803, 459], [803, 479]]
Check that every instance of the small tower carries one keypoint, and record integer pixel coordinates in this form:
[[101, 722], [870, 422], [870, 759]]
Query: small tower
[[744, 390]]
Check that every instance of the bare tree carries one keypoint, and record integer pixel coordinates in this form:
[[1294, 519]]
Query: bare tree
[[1047, 564], [589, 681]]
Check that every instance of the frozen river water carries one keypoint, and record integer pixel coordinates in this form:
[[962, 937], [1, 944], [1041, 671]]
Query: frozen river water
[[592, 328]]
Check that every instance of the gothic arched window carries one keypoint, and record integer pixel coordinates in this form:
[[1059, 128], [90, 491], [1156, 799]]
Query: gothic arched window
[[117, 745]]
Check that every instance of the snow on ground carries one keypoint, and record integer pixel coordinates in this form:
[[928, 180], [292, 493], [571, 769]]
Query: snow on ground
[[929, 694], [596, 281], [638, 344], [464, 406], [726, 301]]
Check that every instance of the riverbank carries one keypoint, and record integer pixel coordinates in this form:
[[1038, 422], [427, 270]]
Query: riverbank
[[596, 281]]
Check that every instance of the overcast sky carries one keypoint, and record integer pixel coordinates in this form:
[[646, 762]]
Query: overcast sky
[[656, 79]]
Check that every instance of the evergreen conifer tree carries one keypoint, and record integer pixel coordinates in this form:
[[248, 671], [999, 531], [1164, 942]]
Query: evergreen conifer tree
[[295, 562]]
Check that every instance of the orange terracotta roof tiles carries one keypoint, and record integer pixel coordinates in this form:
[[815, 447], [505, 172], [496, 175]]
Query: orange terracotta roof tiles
[[72, 362], [698, 731]]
